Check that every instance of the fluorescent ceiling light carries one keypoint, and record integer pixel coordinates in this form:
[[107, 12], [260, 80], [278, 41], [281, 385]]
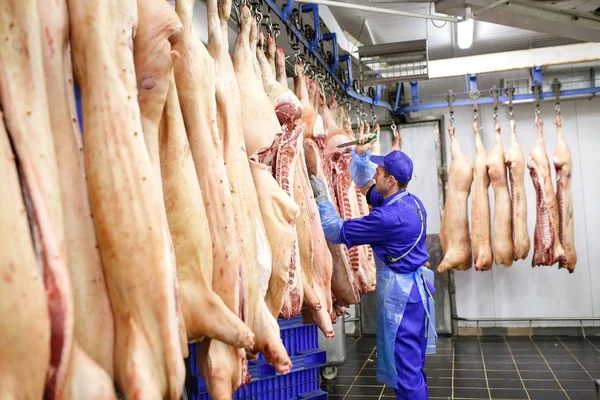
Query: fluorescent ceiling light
[[465, 33], [465, 30]]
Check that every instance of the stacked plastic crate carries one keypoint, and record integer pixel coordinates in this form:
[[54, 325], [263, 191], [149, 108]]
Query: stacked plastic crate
[[301, 383]]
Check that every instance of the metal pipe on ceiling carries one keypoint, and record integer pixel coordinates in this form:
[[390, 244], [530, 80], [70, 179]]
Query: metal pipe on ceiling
[[490, 7], [381, 10]]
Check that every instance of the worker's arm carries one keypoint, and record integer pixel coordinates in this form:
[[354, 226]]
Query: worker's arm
[[354, 232]]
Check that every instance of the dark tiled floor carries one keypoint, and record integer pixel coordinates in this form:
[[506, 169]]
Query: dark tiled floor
[[544, 368]]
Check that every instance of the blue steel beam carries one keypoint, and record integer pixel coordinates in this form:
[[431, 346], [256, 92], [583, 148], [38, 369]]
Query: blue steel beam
[[349, 92], [488, 100]]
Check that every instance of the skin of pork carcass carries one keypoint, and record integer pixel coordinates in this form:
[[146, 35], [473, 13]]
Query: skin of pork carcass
[[193, 243], [94, 327], [158, 29], [287, 105], [547, 249], [503, 242], [253, 46], [310, 116], [23, 97], [515, 161], [481, 236], [245, 199], [257, 106], [271, 53], [23, 309], [195, 77], [563, 163], [454, 230], [126, 203], [280, 67]]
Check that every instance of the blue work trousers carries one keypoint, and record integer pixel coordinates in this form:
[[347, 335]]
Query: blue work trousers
[[410, 351]]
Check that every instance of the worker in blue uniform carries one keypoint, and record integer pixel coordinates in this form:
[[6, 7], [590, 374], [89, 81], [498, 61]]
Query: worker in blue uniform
[[396, 230]]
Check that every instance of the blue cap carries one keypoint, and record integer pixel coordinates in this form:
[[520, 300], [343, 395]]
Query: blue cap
[[397, 164]]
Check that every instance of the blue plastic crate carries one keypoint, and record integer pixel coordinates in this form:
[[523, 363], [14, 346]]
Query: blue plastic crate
[[296, 336], [261, 370], [297, 339], [298, 385]]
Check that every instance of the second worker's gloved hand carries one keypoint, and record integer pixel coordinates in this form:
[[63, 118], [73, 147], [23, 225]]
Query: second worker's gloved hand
[[319, 189]]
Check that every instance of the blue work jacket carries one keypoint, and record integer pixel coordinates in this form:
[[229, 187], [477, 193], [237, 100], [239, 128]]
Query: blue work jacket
[[390, 230]]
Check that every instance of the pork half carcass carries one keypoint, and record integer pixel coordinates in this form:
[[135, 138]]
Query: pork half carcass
[[248, 218], [454, 230], [23, 98], [564, 195], [257, 106], [547, 249], [481, 237], [515, 161], [496, 168], [189, 227], [347, 203], [25, 329], [343, 287], [158, 29], [345, 191], [93, 316], [220, 364], [126, 202], [316, 297]]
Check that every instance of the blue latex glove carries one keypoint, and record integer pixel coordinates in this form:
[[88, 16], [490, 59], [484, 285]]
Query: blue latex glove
[[330, 221], [319, 189], [361, 168]]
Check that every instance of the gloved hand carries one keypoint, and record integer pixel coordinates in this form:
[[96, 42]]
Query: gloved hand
[[361, 168], [319, 189]]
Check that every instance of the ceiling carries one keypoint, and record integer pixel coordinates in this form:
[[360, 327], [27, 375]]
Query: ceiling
[[377, 28]]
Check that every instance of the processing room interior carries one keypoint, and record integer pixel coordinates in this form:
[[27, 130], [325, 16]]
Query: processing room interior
[[282, 199]]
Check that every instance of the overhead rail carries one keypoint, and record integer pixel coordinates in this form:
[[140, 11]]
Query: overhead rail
[[501, 94], [325, 67]]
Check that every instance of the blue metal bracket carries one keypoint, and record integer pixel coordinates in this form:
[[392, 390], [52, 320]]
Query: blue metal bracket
[[333, 38], [537, 85], [348, 62], [399, 91], [377, 89], [288, 9], [414, 91], [473, 84], [314, 8]]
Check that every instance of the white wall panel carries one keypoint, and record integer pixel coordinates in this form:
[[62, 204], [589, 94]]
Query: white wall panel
[[520, 290]]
